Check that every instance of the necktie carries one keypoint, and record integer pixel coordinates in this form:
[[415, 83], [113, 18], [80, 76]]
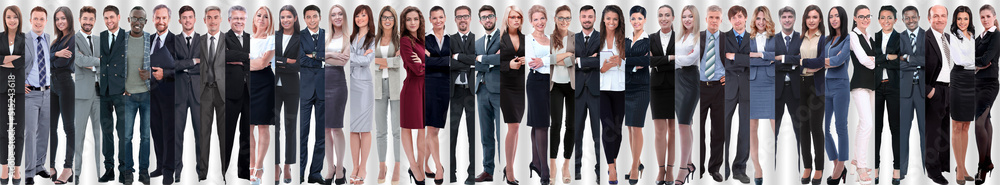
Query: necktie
[[188, 41], [211, 47], [710, 58], [488, 38], [586, 39], [465, 37], [315, 37], [41, 62], [739, 40], [91, 42], [156, 45], [913, 43], [787, 40], [211, 53], [945, 47]]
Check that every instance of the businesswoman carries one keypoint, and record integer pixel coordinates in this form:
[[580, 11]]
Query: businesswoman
[[387, 82], [687, 78], [963, 86], [436, 98], [337, 54], [286, 72], [636, 87], [863, 88], [563, 81], [761, 80], [813, 53], [64, 91], [261, 88], [538, 57], [512, 82], [411, 98], [612, 85], [661, 90], [837, 92], [986, 88], [362, 104], [12, 68]]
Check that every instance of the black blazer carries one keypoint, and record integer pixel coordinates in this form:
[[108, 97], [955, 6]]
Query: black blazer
[[62, 65], [863, 77], [511, 78], [113, 64], [437, 62], [163, 57], [637, 54], [588, 72], [933, 57], [18, 69], [237, 76], [281, 56], [466, 58], [737, 70], [183, 54], [882, 63], [987, 52], [660, 66], [789, 66]]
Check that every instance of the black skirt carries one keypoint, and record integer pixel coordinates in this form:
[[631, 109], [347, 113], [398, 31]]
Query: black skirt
[[262, 97], [963, 94]]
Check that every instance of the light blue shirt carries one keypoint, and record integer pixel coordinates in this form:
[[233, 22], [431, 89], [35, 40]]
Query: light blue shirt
[[719, 70], [33, 77]]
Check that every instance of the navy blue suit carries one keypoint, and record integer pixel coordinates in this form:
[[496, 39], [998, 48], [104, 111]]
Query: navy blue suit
[[588, 91], [162, 122], [311, 95]]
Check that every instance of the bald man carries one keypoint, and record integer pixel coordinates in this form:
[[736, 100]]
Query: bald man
[[939, 64]]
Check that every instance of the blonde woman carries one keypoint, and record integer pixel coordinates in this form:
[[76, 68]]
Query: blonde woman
[[387, 81], [561, 92], [761, 80], [538, 56], [261, 88], [686, 56], [337, 54], [512, 82]]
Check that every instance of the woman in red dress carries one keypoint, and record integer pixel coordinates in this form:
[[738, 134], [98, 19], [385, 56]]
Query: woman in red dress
[[411, 99]]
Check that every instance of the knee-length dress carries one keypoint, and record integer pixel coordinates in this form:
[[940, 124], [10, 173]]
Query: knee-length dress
[[336, 86], [636, 80], [411, 97], [762, 78], [511, 80], [363, 102], [262, 84]]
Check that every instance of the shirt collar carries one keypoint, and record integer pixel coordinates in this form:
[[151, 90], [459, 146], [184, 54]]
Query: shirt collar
[[163, 37], [642, 36], [739, 34], [783, 35], [85, 34], [914, 32]]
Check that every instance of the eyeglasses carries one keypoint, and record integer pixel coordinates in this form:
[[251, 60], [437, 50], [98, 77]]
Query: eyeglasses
[[490, 16], [864, 17], [564, 18], [388, 18], [463, 17], [514, 17], [137, 19]]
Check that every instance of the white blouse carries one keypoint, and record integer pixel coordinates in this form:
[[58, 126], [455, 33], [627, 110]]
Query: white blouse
[[686, 54], [963, 51], [614, 78], [536, 49], [335, 45], [560, 74], [260, 46]]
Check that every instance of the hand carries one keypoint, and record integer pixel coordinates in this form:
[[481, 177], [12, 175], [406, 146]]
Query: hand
[[143, 74], [779, 57], [872, 58], [64, 53], [931, 94], [756, 55], [723, 80], [479, 58], [9, 60], [731, 56], [26, 90], [428, 52], [535, 63], [415, 58], [617, 60], [514, 64], [290, 61], [198, 60], [311, 55], [158, 73], [984, 67], [369, 51], [91, 68], [892, 56], [638, 67]]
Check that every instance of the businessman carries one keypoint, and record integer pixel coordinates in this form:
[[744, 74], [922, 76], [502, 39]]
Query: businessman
[[311, 95], [588, 88], [112, 86], [237, 93], [736, 61], [88, 59], [939, 64], [37, 93], [462, 91], [786, 89], [161, 105], [213, 83], [187, 84]]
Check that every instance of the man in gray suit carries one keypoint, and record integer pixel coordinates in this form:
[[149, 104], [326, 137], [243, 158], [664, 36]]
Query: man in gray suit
[[488, 89], [462, 92], [213, 54], [911, 85], [88, 59], [36, 91], [187, 82]]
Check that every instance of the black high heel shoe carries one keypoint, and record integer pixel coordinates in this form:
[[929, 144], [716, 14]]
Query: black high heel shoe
[[687, 177], [634, 181], [342, 180], [981, 175], [515, 182], [830, 180], [758, 181], [414, 178]]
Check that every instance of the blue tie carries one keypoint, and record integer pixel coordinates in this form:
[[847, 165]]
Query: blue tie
[[41, 63], [739, 40]]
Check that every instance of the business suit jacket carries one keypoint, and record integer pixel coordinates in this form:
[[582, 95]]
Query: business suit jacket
[[915, 62], [187, 74], [237, 76], [932, 54], [394, 63], [284, 71], [488, 78], [588, 70], [789, 65], [819, 77], [466, 52], [569, 43], [768, 57], [891, 67], [738, 69], [19, 40], [215, 64], [113, 64], [163, 57], [311, 69], [661, 67], [987, 52], [437, 64], [86, 56]]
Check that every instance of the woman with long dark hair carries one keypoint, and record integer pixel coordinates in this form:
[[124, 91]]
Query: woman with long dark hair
[[612, 85], [13, 70], [286, 71], [987, 86], [813, 62], [362, 104], [63, 90], [837, 92], [413, 52], [562, 92], [963, 86], [387, 84]]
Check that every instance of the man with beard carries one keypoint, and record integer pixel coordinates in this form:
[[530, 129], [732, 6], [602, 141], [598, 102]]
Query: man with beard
[[136, 95], [463, 57], [488, 94], [162, 95], [88, 57], [588, 88]]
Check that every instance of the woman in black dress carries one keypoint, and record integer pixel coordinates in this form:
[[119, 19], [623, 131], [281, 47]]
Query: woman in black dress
[[986, 88], [13, 70], [512, 82]]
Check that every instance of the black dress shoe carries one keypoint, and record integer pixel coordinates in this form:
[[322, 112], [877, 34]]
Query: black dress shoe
[[743, 178], [108, 176], [168, 179], [28, 181], [937, 178], [156, 173], [126, 179], [144, 177], [470, 180], [43, 174], [716, 176], [315, 179]]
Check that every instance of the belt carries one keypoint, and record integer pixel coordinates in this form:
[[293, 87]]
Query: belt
[[33, 88], [712, 83], [213, 84]]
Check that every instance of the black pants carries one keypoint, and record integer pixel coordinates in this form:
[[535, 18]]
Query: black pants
[[787, 98], [811, 110], [587, 105], [287, 96], [62, 104], [887, 96], [712, 99], [462, 100], [237, 116], [612, 117], [938, 131], [561, 93], [12, 98], [163, 126]]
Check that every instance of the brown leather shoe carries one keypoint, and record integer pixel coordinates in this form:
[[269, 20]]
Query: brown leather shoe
[[484, 177]]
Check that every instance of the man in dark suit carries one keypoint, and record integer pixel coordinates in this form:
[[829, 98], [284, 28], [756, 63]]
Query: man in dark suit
[[311, 52], [787, 85], [162, 122], [487, 86], [938, 62], [588, 88], [711, 93], [112, 85], [462, 95], [912, 95], [213, 54], [286, 72], [736, 47], [237, 92], [887, 73], [187, 76]]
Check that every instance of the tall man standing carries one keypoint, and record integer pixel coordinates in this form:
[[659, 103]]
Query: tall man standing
[[187, 83], [237, 93], [462, 95], [163, 123], [213, 83], [588, 88]]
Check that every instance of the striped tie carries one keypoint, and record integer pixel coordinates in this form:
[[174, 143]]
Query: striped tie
[[947, 48], [709, 59], [41, 63]]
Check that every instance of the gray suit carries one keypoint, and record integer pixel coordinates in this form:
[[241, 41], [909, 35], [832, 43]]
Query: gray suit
[[187, 89], [37, 121], [911, 94], [487, 87], [213, 74], [87, 54]]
